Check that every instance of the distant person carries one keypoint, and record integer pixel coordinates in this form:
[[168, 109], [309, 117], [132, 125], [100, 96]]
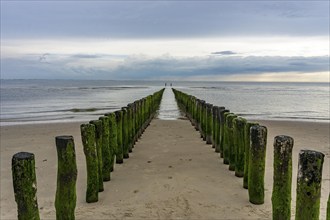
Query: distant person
[[171, 84], [165, 84]]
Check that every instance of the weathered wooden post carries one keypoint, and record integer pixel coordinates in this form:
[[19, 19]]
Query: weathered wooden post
[[197, 119], [90, 151], [309, 185], [65, 200], [193, 108], [140, 118], [281, 196], [209, 123], [120, 150], [202, 119], [214, 126], [144, 109], [25, 186], [133, 124], [106, 154], [239, 143], [218, 128], [222, 130], [226, 138], [112, 139], [231, 143], [129, 128], [125, 133], [257, 161], [136, 121], [247, 128], [98, 143]]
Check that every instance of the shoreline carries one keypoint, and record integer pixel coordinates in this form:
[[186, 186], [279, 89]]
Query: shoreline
[[55, 121], [183, 180]]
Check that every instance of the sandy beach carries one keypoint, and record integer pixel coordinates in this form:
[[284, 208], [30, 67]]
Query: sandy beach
[[171, 174]]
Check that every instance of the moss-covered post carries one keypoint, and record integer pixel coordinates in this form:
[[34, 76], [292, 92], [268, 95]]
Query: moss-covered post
[[136, 121], [222, 130], [197, 119], [214, 126], [65, 200], [217, 129], [257, 159], [98, 143], [140, 118], [25, 186], [247, 128], [193, 109], [239, 125], [202, 119], [129, 128], [88, 141], [209, 123], [309, 185], [198, 114], [281, 196], [125, 133], [106, 154], [133, 124], [226, 138], [143, 112], [119, 150], [113, 143], [231, 141]]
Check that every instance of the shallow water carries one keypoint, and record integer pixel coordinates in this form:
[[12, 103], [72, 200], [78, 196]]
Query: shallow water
[[45, 101], [168, 109]]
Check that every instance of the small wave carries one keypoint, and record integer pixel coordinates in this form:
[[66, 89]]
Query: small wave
[[35, 119], [211, 88], [111, 87]]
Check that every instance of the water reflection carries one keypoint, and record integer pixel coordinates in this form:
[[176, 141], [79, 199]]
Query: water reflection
[[168, 109]]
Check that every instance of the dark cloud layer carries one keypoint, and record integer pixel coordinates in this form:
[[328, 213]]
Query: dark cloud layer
[[225, 52], [166, 66]]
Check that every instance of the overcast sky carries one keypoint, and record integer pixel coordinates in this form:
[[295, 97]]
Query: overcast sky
[[167, 40]]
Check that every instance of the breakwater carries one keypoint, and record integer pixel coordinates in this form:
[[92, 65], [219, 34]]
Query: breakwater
[[242, 145], [106, 141]]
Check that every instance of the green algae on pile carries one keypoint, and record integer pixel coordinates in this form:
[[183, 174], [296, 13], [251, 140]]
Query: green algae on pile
[[90, 151], [230, 141], [309, 181], [257, 160], [98, 143], [282, 177], [106, 155], [66, 197], [25, 186], [239, 145], [247, 128]]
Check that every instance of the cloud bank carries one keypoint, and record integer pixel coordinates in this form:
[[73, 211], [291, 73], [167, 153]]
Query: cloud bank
[[89, 66]]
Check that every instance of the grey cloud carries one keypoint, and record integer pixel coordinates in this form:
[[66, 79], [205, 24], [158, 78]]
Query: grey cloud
[[172, 19], [225, 52], [166, 66]]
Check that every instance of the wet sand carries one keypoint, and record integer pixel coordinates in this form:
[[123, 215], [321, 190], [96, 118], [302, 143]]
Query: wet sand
[[171, 174]]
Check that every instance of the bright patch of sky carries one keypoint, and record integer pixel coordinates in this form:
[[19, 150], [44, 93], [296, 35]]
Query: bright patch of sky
[[209, 40]]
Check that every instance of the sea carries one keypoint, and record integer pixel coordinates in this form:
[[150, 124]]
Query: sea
[[49, 101]]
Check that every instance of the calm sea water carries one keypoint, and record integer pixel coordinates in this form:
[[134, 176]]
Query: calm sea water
[[44, 101]]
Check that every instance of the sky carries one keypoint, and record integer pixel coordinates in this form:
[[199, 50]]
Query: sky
[[166, 40]]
